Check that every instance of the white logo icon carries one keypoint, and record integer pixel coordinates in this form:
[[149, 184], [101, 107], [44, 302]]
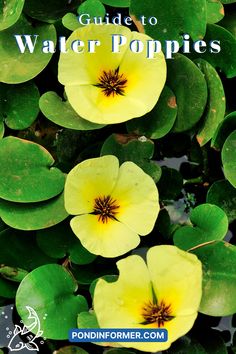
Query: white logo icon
[[16, 344]]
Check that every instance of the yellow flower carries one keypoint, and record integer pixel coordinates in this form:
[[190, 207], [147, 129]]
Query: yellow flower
[[113, 205], [109, 87], [165, 293]]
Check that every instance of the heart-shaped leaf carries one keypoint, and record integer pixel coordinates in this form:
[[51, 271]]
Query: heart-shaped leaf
[[215, 108], [55, 298], [190, 88], [219, 278], [26, 172], [209, 223], [132, 148], [160, 120], [61, 113], [229, 158], [33, 216]]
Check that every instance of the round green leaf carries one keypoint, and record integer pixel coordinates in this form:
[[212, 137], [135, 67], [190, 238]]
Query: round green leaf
[[20, 104], [160, 120], [10, 11], [229, 158], [59, 241], [17, 67], [117, 3], [219, 278], [19, 249], [215, 108], [61, 113], [215, 11], [189, 86], [87, 320], [26, 172], [173, 18], [132, 148], [50, 291], [93, 8], [33, 216], [223, 194], [49, 10], [227, 126], [70, 21], [209, 223]]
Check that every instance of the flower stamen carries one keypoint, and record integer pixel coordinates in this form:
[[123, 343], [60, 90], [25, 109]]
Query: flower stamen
[[106, 208], [112, 83], [156, 313]]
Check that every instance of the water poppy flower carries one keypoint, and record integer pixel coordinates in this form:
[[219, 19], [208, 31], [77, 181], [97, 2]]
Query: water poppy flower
[[164, 293], [104, 86], [113, 205]]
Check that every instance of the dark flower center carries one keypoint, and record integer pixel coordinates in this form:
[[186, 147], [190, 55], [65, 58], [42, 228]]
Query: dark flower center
[[156, 313], [106, 208], [112, 83]]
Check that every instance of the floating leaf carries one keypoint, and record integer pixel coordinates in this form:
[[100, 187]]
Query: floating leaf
[[17, 67], [87, 320], [70, 21], [170, 184], [59, 241], [190, 88], [229, 22], [223, 194], [227, 1], [92, 8], [215, 11], [209, 223], [173, 19], [117, 3], [20, 104], [61, 113], [132, 148], [26, 172], [49, 290], [23, 251], [219, 278], [70, 349], [215, 108], [33, 216], [49, 10], [160, 120], [229, 158], [227, 126], [10, 12]]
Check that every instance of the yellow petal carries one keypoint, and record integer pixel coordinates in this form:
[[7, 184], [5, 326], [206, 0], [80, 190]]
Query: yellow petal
[[85, 68], [118, 304], [177, 278], [111, 239], [137, 196], [88, 180]]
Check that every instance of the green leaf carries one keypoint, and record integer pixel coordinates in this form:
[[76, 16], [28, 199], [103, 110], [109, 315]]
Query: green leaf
[[17, 67], [49, 10], [33, 216], [229, 158], [71, 349], [188, 345], [87, 320], [160, 120], [2, 129], [117, 3], [227, 126], [170, 184], [132, 148], [10, 11], [93, 8], [223, 194], [228, 50], [215, 108], [228, 1], [19, 249], [215, 11], [173, 18], [229, 22], [70, 21], [219, 278], [49, 290], [20, 104], [209, 223], [12, 274], [61, 113], [26, 172], [189, 86], [86, 274], [59, 241]]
